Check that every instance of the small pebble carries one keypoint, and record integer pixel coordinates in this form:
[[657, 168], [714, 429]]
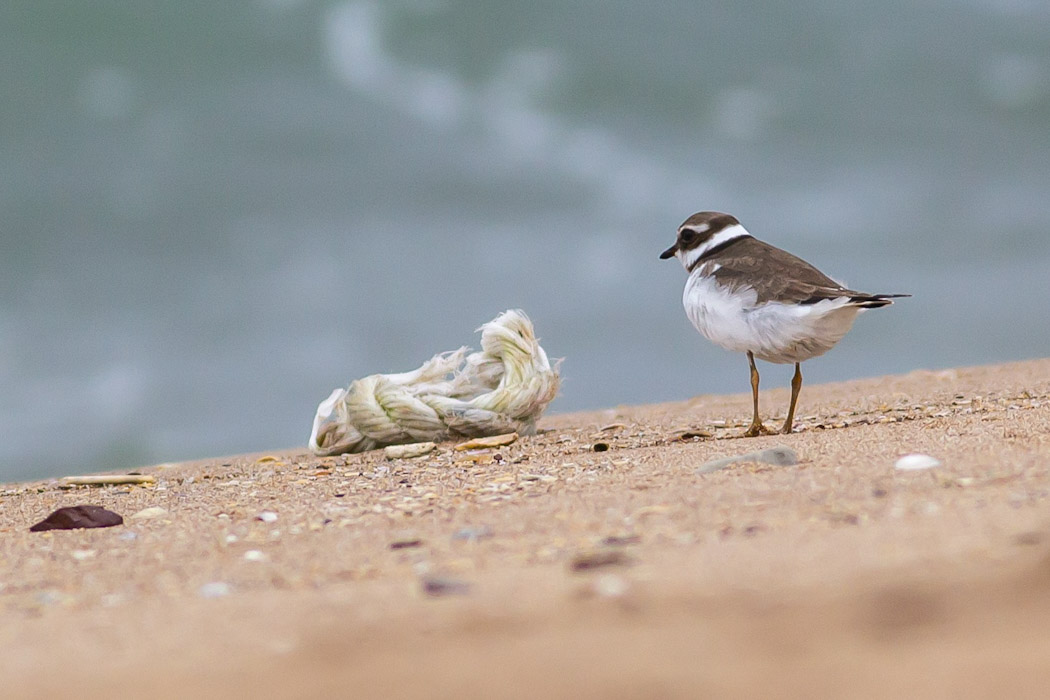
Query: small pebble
[[610, 586], [82, 554], [216, 589], [752, 530], [255, 555], [267, 516], [1030, 538], [916, 462], [587, 561], [441, 586]]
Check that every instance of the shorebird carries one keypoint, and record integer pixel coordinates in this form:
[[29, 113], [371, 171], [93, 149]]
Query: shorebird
[[748, 296]]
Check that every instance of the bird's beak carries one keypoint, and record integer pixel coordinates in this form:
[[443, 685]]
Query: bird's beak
[[669, 253]]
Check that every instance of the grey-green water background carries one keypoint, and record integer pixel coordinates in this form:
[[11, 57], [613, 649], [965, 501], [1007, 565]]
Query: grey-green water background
[[213, 213]]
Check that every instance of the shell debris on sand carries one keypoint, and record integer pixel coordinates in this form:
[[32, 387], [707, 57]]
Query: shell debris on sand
[[917, 462], [107, 480], [149, 513], [484, 443], [409, 451], [215, 589]]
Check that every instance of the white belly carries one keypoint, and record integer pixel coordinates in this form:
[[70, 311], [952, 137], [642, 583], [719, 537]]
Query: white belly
[[773, 331]]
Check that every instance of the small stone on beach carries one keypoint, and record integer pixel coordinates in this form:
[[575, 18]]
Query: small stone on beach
[[610, 586], [587, 561], [437, 586], [415, 449], [216, 589], [916, 462]]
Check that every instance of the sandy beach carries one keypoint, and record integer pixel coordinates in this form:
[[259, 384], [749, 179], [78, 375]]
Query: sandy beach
[[589, 561]]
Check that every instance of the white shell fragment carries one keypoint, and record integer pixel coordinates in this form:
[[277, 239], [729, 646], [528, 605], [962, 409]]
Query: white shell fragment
[[149, 513], [216, 589], [267, 516], [415, 449], [107, 479], [916, 462], [485, 443]]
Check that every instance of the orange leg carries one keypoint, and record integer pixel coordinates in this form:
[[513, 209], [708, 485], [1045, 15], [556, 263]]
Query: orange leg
[[756, 427], [796, 386]]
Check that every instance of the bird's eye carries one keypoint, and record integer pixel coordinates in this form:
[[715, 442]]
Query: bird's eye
[[687, 235]]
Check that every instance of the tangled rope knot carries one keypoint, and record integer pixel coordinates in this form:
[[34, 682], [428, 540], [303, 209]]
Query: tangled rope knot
[[504, 388]]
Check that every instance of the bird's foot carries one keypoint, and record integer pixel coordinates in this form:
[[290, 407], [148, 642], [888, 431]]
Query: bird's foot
[[756, 429]]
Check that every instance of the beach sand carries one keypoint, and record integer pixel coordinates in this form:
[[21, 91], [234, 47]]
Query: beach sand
[[546, 569]]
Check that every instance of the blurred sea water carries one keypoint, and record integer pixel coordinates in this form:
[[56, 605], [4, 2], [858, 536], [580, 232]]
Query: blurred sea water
[[215, 213]]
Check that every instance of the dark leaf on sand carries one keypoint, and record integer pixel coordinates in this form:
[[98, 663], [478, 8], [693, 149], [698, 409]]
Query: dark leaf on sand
[[75, 517]]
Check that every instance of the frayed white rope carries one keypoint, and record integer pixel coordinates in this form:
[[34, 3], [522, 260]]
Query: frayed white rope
[[504, 388]]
